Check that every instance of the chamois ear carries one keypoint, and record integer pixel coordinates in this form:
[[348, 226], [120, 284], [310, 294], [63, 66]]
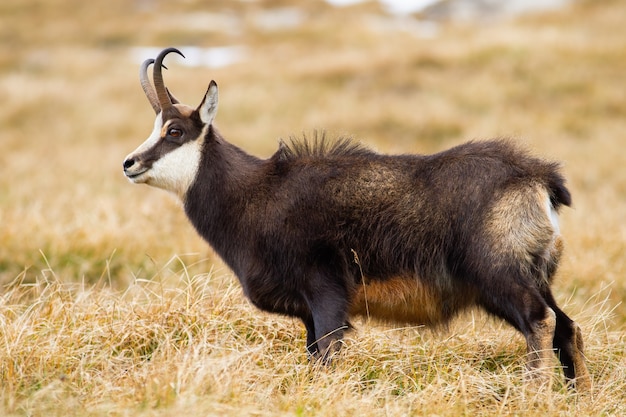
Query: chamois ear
[[208, 108]]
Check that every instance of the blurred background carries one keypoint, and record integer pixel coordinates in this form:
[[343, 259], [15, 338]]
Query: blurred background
[[399, 76]]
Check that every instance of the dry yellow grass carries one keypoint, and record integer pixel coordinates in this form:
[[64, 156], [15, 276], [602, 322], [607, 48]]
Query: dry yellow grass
[[111, 305]]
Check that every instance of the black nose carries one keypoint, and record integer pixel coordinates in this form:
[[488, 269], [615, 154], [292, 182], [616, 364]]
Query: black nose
[[129, 163]]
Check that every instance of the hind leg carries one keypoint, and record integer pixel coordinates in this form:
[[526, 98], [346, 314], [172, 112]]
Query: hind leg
[[568, 341], [539, 345], [524, 308]]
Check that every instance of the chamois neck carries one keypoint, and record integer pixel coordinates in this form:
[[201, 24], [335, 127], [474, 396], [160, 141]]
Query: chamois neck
[[227, 181], [230, 163]]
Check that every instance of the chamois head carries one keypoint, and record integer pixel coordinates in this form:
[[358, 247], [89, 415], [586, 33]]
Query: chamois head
[[169, 158]]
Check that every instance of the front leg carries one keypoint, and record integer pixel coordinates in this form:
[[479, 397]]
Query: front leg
[[311, 340], [328, 303]]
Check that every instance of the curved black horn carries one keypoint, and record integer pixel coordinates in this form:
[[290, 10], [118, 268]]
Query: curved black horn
[[164, 99], [147, 87]]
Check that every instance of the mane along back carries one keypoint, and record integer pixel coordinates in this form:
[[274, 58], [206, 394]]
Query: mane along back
[[319, 146]]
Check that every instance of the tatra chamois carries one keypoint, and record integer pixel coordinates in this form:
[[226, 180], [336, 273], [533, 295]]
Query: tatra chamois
[[326, 229]]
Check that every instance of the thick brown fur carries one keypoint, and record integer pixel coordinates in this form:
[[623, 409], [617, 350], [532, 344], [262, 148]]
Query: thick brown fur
[[434, 235], [326, 229]]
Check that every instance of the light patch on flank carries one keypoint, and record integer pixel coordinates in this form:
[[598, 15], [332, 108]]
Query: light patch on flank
[[521, 223]]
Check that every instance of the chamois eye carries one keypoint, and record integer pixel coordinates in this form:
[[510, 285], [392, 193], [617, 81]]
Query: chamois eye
[[175, 133]]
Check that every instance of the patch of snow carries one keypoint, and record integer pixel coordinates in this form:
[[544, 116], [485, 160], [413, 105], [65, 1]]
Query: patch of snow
[[279, 18], [462, 9], [423, 29], [403, 7], [209, 22], [213, 57], [343, 3], [392, 6], [477, 10]]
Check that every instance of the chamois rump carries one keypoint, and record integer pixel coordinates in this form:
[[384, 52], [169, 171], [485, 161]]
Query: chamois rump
[[326, 229]]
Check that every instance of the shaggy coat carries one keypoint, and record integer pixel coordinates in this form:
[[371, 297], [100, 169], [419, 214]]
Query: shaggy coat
[[326, 229]]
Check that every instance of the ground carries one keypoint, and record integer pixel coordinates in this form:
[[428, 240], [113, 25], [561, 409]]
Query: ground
[[111, 304]]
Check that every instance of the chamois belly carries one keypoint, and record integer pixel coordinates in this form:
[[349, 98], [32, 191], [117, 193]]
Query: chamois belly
[[399, 299]]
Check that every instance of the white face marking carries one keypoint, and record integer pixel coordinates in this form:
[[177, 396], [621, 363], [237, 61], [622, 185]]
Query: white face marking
[[150, 142], [174, 171]]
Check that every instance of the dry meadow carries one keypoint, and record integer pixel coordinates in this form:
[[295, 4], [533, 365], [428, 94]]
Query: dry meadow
[[110, 305]]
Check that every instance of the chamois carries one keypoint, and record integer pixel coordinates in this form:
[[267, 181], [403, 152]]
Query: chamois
[[326, 229]]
